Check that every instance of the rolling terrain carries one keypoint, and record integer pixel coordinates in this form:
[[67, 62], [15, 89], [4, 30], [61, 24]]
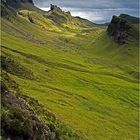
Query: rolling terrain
[[79, 72]]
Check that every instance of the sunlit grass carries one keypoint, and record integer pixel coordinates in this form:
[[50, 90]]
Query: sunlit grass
[[84, 78]]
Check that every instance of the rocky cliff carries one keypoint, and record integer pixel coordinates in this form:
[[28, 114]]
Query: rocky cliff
[[120, 30]]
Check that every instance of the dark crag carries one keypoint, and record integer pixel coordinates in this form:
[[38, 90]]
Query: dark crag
[[121, 30]]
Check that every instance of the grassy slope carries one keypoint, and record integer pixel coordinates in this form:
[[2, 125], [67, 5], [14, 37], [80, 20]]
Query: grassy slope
[[86, 80]]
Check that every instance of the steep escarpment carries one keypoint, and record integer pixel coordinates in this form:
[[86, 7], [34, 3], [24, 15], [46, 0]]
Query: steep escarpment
[[122, 30], [17, 3], [10, 7]]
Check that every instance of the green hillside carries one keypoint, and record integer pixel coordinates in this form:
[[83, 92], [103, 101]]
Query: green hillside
[[79, 73]]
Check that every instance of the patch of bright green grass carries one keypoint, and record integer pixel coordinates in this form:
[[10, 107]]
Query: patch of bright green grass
[[83, 77]]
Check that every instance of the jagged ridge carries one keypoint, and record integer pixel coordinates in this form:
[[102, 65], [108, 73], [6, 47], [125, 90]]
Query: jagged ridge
[[61, 17]]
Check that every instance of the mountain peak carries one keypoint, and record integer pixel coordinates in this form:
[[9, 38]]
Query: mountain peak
[[58, 15], [55, 8]]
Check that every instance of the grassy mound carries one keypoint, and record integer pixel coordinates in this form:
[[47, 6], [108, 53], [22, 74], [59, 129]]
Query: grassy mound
[[38, 19]]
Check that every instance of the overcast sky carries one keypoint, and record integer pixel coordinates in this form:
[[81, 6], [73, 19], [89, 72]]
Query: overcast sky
[[98, 11]]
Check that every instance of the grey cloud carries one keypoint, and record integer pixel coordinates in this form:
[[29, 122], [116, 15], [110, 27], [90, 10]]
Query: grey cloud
[[90, 3], [98, 11]]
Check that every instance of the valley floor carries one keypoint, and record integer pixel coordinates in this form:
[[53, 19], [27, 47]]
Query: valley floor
[[83, 77]]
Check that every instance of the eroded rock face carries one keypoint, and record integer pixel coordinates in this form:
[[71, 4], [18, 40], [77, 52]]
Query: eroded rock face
[[54, 7], [119, 29]]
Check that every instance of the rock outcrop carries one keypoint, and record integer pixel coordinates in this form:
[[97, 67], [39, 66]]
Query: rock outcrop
[[58, 15], [120, 30], [55, 8]]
